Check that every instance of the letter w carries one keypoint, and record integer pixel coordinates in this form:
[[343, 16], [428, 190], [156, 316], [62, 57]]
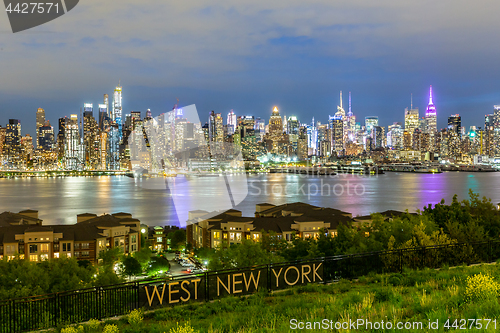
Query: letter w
[[155, 290], [250, 279]]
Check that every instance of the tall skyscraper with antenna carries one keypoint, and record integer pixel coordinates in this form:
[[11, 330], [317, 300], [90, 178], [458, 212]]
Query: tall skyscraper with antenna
[[430, 115], [351, 123]]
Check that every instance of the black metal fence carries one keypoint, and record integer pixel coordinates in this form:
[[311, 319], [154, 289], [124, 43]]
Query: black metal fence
[[45, 311]]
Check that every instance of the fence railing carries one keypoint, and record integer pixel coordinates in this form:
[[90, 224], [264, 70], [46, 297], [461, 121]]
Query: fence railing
[[45, 311]]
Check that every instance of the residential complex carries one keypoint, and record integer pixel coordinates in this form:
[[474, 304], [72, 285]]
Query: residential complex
[[24, 235], [287, 221]]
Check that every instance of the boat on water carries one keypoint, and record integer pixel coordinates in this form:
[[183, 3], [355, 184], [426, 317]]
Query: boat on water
[[417, 168], [427, 169]]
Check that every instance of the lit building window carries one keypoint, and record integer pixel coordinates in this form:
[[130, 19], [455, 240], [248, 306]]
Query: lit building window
[[231, 236], [44, 257], [56, 255], [238, 236], [44, 248], [159, 239], [33, 257]]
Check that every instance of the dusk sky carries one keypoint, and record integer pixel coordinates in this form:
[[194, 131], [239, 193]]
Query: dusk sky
[[252, 55]]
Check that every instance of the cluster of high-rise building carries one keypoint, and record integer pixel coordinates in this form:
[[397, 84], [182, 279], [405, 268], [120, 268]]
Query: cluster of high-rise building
[[102, 138], [89, 140]]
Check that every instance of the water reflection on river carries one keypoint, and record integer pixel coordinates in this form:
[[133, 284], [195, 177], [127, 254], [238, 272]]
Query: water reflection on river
[[59, 200]]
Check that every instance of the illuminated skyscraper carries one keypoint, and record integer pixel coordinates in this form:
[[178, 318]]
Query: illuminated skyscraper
[[219, 128], [246, 126], [40, 121], [412, 121], [106, 102], [351, 123], [293, 125], [13, 143], [3, 131], [103, 116], [46, 137], [72, 150], [231, 122], [275, 124], [395, 136], [117, 107], [260, 128], [370, 122], [211, 126], [431, 116], [26, 149], [455, 124], [337, 134], [91, 139]]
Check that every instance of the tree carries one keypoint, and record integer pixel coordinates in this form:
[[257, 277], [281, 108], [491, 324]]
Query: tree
[[177, 239], [158, 265], [143, 256], [110, 257], [107, 277], [131, 266], [246, 254]]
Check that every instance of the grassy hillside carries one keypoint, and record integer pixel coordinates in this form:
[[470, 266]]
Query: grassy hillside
[[415, 296]]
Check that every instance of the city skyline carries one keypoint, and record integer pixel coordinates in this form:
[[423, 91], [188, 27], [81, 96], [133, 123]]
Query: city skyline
[[386, 122], [271, 55]]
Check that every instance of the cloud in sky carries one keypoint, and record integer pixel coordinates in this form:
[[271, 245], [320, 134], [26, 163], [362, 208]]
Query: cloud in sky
[[251, 55]]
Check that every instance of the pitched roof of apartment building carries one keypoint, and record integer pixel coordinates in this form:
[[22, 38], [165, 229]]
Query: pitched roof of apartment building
[[281, 218], [84, 231], [8, 219]]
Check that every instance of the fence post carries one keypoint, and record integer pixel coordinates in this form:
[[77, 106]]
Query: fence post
[[207, 288], [268, 278], [99, 303], [137, 289], [56, 309], [400, 252], [11, 316]]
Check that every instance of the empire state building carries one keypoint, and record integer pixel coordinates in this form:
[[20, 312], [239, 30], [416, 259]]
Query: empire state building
[[431, 116]]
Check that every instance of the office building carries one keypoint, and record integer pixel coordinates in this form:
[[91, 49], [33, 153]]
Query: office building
[[40, 121], [370, 122], [231, 122], [455, 124]]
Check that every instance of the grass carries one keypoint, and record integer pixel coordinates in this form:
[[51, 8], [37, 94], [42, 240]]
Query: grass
[[414, 296]]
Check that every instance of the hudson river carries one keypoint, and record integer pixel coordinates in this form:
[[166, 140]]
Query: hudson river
[[59, 200]]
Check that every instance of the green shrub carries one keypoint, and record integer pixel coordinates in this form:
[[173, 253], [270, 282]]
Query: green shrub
[[481, 288], [183, 329], [72, 329], [110, 329], [94, 324], [135, 317], [395, 279]]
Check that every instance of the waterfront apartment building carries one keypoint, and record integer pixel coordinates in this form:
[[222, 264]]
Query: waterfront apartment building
[[23, 235], [287, 221]]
